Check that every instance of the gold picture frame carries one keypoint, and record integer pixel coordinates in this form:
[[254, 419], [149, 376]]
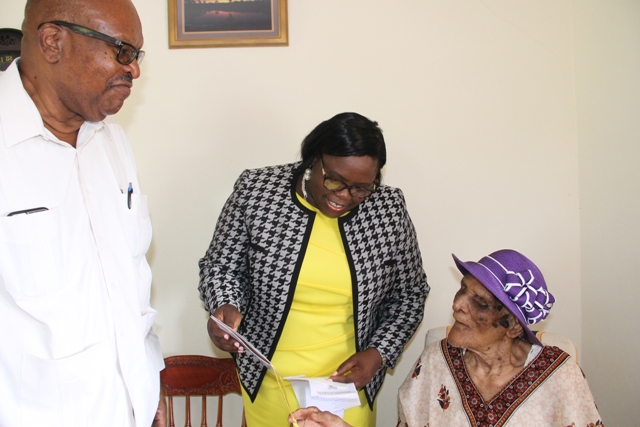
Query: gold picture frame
[[227, 23]]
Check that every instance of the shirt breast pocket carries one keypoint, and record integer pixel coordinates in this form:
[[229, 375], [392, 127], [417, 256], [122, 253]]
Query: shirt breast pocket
[[31, 254], [136, 225]]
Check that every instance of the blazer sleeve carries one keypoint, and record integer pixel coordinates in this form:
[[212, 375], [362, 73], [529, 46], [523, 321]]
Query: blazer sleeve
[[224, 277], [402, 308]]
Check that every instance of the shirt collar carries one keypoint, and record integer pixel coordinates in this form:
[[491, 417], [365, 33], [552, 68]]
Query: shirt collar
[[21, 119]]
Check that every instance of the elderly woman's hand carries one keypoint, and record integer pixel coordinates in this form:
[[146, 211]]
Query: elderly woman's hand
[[359, 368], [313, 417], [229, 315]]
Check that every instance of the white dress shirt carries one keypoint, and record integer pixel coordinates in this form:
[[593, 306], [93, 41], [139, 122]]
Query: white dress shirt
[[76, 344]]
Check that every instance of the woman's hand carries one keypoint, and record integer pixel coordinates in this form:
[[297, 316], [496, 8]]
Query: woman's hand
[[229, 315], [359, 368], [313, 417]]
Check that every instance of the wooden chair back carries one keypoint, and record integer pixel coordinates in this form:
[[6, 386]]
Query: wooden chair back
[[189, 375]]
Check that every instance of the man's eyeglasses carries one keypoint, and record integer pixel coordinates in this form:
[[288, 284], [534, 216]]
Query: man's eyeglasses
[[127, 53], [356, 191]]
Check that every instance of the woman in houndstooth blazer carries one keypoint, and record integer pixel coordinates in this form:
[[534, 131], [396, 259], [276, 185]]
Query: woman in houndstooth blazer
[[317, 264]]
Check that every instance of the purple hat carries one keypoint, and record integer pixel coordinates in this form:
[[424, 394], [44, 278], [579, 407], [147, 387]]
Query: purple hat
[[516, 282]]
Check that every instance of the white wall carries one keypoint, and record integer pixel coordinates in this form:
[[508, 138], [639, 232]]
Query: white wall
[[477, 102], [607, 53]]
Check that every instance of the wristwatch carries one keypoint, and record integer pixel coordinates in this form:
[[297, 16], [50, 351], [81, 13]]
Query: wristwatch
[[384, 358]]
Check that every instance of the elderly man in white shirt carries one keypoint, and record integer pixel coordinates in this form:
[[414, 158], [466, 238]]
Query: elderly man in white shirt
[[76, 340]]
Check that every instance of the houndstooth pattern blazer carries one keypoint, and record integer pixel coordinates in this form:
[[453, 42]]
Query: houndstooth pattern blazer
[[257, 251]]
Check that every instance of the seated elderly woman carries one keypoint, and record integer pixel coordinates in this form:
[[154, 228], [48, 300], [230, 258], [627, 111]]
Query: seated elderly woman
[[491, 370]]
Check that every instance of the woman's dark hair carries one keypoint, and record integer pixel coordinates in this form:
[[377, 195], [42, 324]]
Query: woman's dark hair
[[343, 135]]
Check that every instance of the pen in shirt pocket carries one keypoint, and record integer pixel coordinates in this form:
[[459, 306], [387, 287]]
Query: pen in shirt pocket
[[129, 193], [28, 211]]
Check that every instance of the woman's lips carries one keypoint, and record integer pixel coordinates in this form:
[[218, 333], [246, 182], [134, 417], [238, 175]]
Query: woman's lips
[[459, 324], [336, 207]]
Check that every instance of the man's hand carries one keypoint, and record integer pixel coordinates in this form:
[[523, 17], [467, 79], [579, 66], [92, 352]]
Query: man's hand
[[313, 417], [359, 368], [229, 315], [160, 420]]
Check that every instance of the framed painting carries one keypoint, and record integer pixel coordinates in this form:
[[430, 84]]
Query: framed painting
[[9, 46], [227, 23]]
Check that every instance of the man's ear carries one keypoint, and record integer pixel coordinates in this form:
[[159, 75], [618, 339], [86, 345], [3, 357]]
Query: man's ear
[[51, 41], [515, 329]]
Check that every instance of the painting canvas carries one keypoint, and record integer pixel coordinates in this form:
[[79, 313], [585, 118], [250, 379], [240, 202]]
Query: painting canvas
[[224, 23], [9, 46]]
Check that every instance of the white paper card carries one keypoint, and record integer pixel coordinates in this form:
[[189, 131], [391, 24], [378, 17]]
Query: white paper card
[[325, 394], [248, 347]]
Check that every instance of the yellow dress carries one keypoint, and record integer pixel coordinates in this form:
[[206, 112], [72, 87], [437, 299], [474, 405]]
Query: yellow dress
[[319, 332]]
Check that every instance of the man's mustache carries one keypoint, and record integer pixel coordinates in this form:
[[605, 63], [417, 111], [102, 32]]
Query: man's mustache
[[126, 78]]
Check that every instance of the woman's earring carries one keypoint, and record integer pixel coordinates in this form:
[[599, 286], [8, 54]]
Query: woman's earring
[[306, 177]]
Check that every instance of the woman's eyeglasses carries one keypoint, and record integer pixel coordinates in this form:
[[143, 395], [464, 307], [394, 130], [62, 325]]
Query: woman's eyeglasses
[[356, 191], [127, 53]]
